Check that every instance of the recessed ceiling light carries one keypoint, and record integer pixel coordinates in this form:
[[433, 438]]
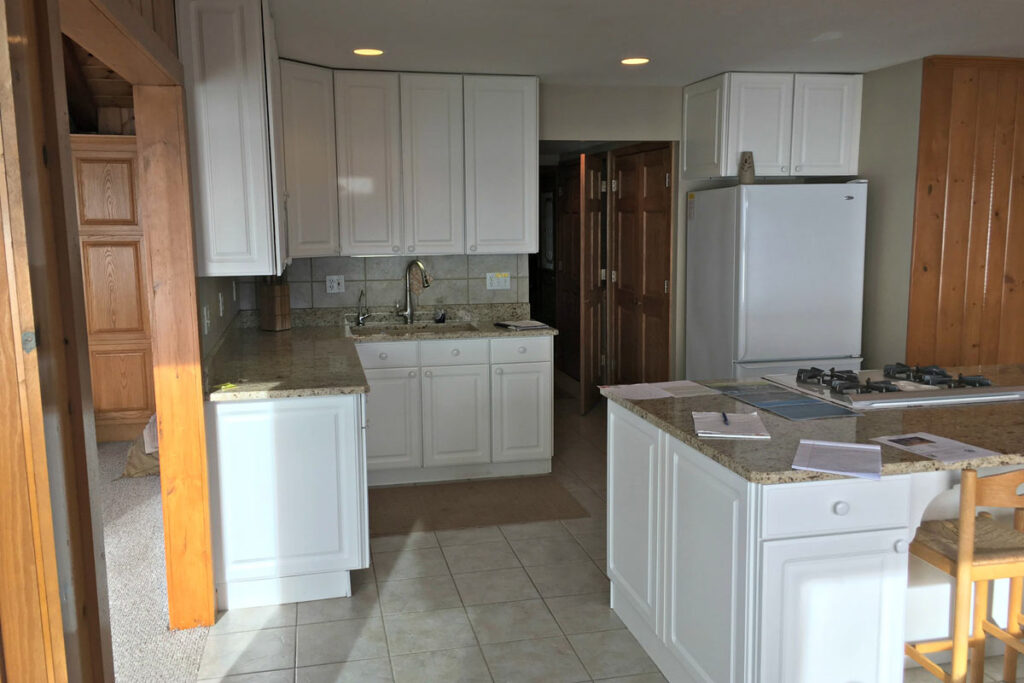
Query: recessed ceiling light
[[635, 61], [368, 51]]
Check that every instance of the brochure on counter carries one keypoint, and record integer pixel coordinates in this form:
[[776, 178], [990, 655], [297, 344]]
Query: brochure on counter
[[852, 459], [935, 447], [729, 426]]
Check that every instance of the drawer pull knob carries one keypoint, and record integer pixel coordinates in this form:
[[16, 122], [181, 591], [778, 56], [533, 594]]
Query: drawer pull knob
[[395, 248], [472, 247], [901, 546], [521, 349], [455, 352], [412, 373], [428, 373], [412, 249], [841, 508], [499, 371], [383, 356]]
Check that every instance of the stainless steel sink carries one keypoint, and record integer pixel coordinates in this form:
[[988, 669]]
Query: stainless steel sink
[[414, 330]]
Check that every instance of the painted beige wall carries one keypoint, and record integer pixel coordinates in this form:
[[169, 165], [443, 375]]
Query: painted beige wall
[[890, 116], [569, 112]]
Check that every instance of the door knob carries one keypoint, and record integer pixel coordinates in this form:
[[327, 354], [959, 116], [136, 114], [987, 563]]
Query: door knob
[[412, 373], [841, 508], [412, 248], [521, 349], [428, 373], [901, 546], [395, 249], [383, 356], [798, 168], [499, 371], [455, 352], [472, 247]]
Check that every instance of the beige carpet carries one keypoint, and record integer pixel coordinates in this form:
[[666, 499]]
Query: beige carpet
[[458, 505]]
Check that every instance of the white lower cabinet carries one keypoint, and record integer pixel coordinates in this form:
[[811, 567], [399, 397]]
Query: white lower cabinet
[[521, 411], [288, 501], [717, 590], [394, 427], [456, 421]]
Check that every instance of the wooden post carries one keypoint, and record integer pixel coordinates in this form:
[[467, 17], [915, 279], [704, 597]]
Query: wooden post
[[165, 208]]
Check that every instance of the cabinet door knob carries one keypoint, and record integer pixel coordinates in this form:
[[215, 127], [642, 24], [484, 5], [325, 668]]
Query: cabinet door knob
[[841, 508], [412, 373], [455, 352], [901, 546], [782, 168], [472, 247], [412, 248], [383, 356], [395, 249], [798, 168], [521, 349], [499, 371], [428, 373]]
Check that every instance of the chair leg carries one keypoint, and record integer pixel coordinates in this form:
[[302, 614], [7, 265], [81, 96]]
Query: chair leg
[[1013, 627], [981, 590]]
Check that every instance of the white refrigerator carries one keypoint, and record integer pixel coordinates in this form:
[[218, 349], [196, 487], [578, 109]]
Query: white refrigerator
[[774, 279]]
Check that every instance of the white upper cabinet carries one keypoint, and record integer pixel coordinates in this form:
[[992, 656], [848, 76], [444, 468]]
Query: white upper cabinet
[[369, 175], [794, 124], [227, 50], [433, 182], [310, 168], [760, 121], [501, 164], [826, 124]]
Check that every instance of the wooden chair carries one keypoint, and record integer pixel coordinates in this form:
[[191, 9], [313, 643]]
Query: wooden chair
[[976, 550]]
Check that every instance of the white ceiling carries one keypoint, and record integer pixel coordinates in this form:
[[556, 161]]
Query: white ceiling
[[581, 41]]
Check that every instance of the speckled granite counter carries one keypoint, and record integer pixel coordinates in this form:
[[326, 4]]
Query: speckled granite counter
[[454, 330], [995, 426]]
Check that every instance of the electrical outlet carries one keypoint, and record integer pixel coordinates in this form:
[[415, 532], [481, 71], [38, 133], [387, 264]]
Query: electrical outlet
[[220, 303], [335, 284], [206, 320], [499, 281]]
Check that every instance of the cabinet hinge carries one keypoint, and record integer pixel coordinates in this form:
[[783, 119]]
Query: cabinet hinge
[[615, 185], [668, 180]]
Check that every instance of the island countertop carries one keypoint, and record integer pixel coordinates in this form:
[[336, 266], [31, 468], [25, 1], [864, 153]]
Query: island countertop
[[996, 426]]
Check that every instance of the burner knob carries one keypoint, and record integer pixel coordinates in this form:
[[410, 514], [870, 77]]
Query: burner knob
[[840, 508]]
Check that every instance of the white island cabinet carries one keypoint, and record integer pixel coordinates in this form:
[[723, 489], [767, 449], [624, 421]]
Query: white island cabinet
[[288, 502], [724, 580]]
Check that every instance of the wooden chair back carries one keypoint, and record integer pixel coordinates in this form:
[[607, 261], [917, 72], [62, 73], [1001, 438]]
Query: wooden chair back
[[999, 490]]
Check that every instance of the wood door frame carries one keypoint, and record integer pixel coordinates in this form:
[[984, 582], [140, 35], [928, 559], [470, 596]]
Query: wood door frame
[[612, 341]]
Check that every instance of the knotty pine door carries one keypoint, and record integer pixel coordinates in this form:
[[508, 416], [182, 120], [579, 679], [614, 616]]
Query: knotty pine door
[[115, 267], [967, 276]]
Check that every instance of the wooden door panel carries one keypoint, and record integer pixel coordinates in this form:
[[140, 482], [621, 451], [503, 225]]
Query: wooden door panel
[[966, 307], [106, 190], [122, 380], [567, 269], [115, 293], [591, 290]]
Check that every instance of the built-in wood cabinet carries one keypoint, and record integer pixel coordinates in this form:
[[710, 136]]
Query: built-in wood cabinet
[[433, 184], [229, 55], [115, 271], [458, 408], [795, 124], [501, 164], [307, 105], [369, 158]]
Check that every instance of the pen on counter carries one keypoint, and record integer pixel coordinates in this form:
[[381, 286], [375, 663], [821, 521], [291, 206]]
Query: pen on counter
[[725, 418]]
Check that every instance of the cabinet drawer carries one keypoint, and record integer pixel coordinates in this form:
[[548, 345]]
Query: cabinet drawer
[[521, 350], [834, 506], [454, 352], [388, 355]]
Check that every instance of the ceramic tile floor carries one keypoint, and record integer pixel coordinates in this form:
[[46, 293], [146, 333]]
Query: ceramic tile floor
[[993, 672], [520, 602]]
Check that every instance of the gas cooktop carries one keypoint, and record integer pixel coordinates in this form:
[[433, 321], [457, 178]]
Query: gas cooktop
[[896, 386]]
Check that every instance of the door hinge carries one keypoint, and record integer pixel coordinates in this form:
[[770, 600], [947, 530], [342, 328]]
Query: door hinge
[[666, 286], [613, 277], [603, 360], [615, 185], [604, 275], [604, 186], [668, 180]]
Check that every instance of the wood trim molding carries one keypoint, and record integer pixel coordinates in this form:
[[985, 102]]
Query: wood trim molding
[[121, 38], [166, 211]]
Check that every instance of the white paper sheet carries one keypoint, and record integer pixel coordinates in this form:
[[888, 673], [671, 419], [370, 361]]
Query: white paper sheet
[[635, 392], [852, 459], [740, 426], [684, 388], [935, 447]]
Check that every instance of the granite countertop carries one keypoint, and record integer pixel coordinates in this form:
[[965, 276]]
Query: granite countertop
[[996, 426], [318, 361], [303, 361]]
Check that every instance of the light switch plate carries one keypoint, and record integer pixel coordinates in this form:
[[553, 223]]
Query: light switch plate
[[335, 284], [499, 281]]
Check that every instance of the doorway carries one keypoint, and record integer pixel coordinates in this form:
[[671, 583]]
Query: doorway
[[603, 274]]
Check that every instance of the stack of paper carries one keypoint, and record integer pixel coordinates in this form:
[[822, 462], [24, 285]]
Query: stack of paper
[[684, 388], [852, 459], [935, 447], [729, 426]]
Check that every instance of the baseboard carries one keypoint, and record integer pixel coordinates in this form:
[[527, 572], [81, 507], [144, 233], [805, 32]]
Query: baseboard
[[119, 431], [283, 590], [488, 470]]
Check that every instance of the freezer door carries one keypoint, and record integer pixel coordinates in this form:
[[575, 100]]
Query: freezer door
[[800, 276], [760, 369]]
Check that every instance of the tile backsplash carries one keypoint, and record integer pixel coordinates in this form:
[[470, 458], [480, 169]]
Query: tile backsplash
[[456, 280]]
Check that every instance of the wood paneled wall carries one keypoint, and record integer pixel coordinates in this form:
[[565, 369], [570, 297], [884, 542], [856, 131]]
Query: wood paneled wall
[[967, 276]]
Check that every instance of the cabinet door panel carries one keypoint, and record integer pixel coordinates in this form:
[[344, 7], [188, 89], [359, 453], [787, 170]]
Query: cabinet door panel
[[521, 410], [456, 418], [116, 300], [760, 121], [275, 127], [826, 124], [369, 161], [833, 608], [704, 128], [222, 51], [105, 186], [122, 381], [310, 163], [288, 487], [501, 164], [433, 179], [634, 493], [394, 435]]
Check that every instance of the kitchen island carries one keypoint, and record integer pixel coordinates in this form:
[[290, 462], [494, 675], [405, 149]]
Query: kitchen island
[[729, 566]]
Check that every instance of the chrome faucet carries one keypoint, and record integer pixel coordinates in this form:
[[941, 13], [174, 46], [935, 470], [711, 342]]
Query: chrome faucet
[[362, 312], [408, 312]]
